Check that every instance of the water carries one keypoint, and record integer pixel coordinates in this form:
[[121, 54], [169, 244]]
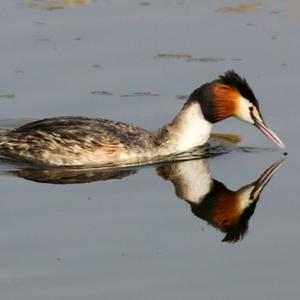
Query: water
[[132, 237]]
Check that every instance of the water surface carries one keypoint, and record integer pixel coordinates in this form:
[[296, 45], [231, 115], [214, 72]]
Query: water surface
[[131, 236]]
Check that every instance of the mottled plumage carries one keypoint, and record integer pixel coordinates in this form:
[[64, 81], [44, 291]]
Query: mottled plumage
[[74, 141]]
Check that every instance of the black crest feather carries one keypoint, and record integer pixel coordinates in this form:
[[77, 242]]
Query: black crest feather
[[233, 79]]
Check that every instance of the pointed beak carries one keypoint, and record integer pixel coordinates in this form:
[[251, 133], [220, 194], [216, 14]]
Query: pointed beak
[[268, 132], [264, 178]]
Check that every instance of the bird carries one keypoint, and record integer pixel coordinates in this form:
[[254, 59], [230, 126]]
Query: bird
[[76, 140]]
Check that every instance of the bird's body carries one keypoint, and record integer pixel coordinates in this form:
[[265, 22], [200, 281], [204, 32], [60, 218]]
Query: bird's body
[[75, 141], [86, 141]]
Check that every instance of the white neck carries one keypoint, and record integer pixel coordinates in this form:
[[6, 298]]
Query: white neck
[[188, 129], [193, 180]]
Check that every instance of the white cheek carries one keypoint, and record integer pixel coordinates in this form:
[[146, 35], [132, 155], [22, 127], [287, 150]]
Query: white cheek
[[243, 112], [244, 198], [256, 114]]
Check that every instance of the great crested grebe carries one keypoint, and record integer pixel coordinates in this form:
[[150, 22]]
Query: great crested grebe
[[85, 141]]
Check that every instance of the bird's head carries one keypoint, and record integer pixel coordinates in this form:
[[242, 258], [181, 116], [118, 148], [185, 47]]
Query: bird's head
[[230, 95]]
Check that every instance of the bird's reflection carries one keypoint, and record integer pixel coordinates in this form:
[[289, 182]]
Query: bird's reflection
[[210, 200], [71, 175], [227, 210]]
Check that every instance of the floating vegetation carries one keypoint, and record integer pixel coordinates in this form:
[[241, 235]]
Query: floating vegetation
[[189, 58], [240, 9], [55, 4], [7, 96], [41, 40], [182, 97], [101, 93], [141, 94], [274, 12], [177, 56], [205, 59], [226, 137], [39, 23]]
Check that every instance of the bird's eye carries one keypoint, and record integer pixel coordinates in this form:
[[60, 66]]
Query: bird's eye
[[251, 108]]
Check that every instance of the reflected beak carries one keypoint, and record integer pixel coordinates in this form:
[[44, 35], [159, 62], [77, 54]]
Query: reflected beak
[[268, 132], [264, 178]]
